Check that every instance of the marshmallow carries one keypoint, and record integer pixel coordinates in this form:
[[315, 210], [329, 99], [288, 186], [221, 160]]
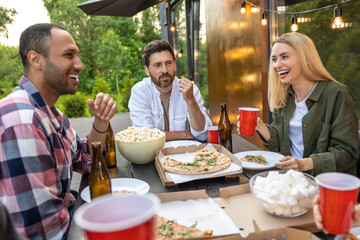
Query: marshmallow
[[294, 191], [297, 175], [287, 211], [284, 194], [279, 211], [292, 201], [273, 175], [285, 188], [297, 209], [282, 201], [288, 178], [274, 194]]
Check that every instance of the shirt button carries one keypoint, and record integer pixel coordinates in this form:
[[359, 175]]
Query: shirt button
[[305, 125], [306, 142]]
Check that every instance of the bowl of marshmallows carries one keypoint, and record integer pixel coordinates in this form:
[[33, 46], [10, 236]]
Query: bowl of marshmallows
[[284, 193]]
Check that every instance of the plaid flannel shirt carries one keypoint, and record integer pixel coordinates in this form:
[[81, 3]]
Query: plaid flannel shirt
[[38, 152]]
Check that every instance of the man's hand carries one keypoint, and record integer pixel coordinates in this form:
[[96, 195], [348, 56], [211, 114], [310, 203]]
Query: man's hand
[[186, 88], [104, 107], [197, 119]]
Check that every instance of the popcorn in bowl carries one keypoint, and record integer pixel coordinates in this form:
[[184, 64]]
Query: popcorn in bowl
[[139, 144], [284, 193], [138, 134]]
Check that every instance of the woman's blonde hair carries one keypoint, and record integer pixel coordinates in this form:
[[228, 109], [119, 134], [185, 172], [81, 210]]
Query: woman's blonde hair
[[311, 66]]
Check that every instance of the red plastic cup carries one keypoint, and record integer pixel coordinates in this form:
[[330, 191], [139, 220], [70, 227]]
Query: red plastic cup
[[123, 217], [248, 120], [213, 134], [338, 195]]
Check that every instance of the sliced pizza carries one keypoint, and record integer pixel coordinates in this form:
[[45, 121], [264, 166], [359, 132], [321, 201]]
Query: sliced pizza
[[205, 161], [166, 229], [257, 158]]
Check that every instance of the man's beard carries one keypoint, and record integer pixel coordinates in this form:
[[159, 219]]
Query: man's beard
[[54, 77], [158, 82]]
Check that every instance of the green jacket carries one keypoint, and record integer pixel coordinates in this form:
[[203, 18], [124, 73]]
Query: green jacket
[[330, 128]]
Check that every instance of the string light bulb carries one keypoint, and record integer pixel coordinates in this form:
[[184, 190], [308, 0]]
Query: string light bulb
[[263, 18], [338, 22], [294, 26], [180, 54], [243, 7], [172, 28], [254, 9]]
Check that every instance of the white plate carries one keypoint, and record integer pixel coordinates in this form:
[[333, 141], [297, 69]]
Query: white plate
[[179, 143], [271, 158], [128, 184]]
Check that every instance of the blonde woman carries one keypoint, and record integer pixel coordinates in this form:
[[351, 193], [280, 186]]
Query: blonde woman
[[315, 125]]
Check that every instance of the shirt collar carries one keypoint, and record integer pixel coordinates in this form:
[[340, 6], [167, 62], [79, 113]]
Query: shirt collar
[[52, 113], [316, 93]]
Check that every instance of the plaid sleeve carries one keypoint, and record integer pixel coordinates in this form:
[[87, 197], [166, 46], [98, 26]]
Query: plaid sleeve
[[30, 185], [82, 159], [80, 154]]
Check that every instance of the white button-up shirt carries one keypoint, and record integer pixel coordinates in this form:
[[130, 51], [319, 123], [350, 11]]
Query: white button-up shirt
[[146, 109]]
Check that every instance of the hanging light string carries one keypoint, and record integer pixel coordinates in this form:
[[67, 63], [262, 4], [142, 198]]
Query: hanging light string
[[337, 21], [305, 11]]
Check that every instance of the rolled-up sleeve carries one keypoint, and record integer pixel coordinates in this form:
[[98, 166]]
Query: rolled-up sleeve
[[140, 109]]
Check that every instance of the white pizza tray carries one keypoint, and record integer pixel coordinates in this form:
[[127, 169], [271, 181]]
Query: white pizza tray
[[205, 212]]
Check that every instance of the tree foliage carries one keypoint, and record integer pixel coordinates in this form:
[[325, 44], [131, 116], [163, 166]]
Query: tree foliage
[[10, 63], [110, 47], [6, 17], [10, 69], [339, 49], [75, 105]]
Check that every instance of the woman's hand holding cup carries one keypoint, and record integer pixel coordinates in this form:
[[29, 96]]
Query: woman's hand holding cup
[[260, 127]]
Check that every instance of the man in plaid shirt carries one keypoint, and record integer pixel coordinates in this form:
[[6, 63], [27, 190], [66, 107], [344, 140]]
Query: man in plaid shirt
[[38, 148]]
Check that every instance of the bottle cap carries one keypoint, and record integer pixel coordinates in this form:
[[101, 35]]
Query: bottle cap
[[96, 144]]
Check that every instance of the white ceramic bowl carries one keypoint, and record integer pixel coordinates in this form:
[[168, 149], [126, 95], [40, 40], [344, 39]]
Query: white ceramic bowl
[[141, 152], [284, 193]]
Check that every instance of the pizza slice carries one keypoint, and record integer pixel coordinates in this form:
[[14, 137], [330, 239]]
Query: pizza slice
[[205, 161], [166, 229], [212, 158], [257, 158]]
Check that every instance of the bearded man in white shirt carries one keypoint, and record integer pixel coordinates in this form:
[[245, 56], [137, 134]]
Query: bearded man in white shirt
[[163, 101]]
